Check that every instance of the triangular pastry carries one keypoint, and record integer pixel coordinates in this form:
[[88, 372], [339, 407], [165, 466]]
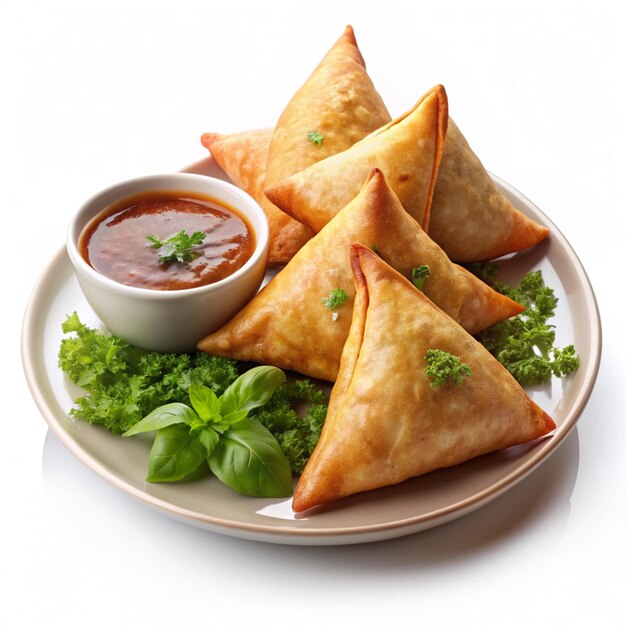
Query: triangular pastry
[[470, 219], [407, 150], [287, 323], [336, 107], [243, 157], [385, 421]]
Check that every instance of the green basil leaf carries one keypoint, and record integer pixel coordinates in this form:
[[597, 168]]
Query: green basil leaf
[[208, 438], [163, 416], [252, 389], [202, 470], [176, 453], [232, 418], [249, 460], [205, 402]]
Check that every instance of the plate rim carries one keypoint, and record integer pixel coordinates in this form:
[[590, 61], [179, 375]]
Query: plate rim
[[325, 536]]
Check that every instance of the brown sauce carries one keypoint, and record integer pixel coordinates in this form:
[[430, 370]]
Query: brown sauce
[[115, 243]]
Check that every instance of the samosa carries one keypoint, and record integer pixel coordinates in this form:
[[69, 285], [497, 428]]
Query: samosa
[[407, 150], [470, 219], [243, 157], [335, 107], [294, 323], [386, 421]]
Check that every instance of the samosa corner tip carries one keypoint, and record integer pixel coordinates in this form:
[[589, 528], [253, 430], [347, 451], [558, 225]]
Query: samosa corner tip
[[208, 139]]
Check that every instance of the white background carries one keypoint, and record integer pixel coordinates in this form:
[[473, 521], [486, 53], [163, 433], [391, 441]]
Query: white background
[[93, 93]]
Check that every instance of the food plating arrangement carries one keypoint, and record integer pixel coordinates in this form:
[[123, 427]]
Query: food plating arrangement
[[406, 328]]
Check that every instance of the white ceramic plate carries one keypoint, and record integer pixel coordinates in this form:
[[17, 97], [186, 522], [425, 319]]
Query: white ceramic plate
[[410, 507]]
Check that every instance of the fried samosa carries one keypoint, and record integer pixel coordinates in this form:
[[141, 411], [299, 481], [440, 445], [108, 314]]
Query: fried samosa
[[243, 157], [470, 219], [407, 150], [386, 422], [336, 107], [287, 323]]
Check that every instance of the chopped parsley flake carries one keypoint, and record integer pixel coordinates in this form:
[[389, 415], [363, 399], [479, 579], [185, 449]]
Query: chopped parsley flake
[[443, 367], [419, 275], [178, 247], [524, 344], [315, 137], [335, 298]]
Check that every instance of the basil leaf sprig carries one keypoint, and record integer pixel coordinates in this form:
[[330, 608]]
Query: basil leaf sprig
[[240, 451], [178, 247]]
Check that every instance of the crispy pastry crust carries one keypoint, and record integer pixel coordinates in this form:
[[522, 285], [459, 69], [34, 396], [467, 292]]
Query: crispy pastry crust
[[385, 423], [287, 325], [470, 219], [407, 150], [339, 101]]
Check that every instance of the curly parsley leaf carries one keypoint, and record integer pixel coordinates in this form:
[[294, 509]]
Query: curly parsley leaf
[[488, 272], [296, 434], [178, 247], [565, 361], [525, 344], [124, 384], [444, 367], [335, 298], [315, 137]]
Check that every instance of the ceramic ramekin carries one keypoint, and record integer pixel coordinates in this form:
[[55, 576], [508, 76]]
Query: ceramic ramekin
[[169, 321]]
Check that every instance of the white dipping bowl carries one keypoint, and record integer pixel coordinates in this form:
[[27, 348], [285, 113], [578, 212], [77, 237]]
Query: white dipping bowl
[[170, 321]]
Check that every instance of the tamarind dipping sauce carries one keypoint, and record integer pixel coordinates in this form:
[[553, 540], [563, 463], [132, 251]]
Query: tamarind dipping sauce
[[115, 245]]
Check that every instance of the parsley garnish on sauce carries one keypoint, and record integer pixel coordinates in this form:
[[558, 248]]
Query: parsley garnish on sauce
[[315, 137], [443, 367], [178, 247]]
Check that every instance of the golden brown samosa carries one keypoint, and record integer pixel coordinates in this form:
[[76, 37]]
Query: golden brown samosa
[[337, 106], [287, 323], [386, 422], [243, 157], [407, 150], [470, 219]]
